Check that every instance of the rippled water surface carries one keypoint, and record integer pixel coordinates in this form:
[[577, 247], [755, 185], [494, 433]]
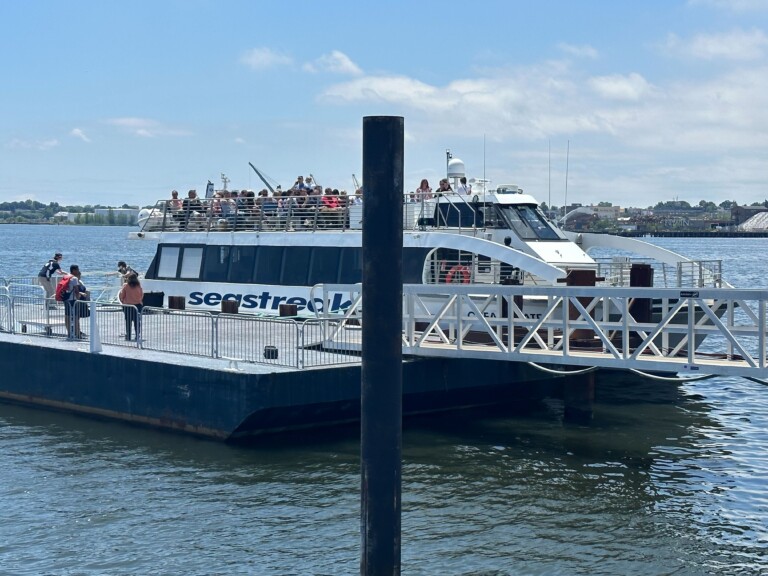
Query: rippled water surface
[[665, 480]]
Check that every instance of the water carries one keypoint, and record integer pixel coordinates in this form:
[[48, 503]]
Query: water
[[666, 480]]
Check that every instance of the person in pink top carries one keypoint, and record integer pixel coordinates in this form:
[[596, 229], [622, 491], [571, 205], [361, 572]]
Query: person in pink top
[[131, 296], [423, 192]]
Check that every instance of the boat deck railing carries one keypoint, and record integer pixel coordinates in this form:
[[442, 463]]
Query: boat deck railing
[[213, 215], [256, 214], [684, 274], [468, 268]]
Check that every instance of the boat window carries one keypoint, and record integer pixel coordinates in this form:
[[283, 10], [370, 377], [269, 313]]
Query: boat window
[[351, 266], [490, 216], [269, 265], [169, 261], [325, 265], [458, 215], [528, 222], [445, 262], [216, 263], [191, 260], [296, 265], [241, 262]]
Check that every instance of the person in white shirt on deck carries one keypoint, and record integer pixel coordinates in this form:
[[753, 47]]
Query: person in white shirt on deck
[[462, 188]]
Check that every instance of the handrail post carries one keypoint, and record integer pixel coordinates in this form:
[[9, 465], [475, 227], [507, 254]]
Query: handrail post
[[95, 338], [214, 336], [300, 350]]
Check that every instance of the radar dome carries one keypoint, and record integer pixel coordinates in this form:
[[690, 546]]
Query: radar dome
[[455, 168]]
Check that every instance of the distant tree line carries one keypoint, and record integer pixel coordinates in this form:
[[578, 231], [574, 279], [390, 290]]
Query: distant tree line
[[34, 212]]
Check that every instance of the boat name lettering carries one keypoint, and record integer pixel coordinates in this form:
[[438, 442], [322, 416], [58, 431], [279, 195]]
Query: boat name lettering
[[267, 301], [536, 316], [689, 294]]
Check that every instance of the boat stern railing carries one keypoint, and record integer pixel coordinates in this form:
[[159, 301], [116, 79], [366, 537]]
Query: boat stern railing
[[684, 274]]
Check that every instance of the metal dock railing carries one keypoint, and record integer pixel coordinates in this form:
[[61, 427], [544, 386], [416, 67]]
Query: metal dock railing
[[694, 332]]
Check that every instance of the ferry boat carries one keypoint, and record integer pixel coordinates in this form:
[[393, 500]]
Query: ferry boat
[[265, 252]]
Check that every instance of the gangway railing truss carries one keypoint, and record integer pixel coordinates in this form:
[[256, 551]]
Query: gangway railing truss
[[694, 332]]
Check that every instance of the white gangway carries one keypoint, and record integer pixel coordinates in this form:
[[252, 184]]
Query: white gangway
[[577, 326]]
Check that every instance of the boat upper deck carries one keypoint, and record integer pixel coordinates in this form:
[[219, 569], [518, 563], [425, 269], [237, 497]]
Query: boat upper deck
[[319, 213]]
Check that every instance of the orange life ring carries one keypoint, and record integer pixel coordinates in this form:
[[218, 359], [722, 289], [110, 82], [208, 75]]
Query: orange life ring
[[455, 272]]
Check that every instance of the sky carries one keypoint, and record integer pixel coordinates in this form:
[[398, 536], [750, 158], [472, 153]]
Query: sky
[[633, 103]]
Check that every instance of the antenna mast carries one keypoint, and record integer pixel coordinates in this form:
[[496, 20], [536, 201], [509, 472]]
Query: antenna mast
[[224, 180], [565, 208]]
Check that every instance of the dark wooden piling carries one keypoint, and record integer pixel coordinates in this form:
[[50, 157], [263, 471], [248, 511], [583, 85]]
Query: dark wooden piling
[[579, 398], [382, 382], [641, 275], [581, 336]]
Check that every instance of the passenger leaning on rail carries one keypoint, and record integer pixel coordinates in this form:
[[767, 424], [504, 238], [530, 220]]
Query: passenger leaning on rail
[[125, 271], [47, 278]]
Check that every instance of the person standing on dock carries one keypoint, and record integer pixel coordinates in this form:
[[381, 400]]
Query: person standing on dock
[[47, 278], [131, 297], [75, 292]]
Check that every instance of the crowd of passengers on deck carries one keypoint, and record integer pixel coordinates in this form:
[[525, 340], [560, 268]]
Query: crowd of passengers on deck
[[302, 207], [305, 206]]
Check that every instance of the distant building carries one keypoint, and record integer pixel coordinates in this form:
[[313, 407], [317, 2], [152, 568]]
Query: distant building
[[740, 214], [131, 215], [67, 216]]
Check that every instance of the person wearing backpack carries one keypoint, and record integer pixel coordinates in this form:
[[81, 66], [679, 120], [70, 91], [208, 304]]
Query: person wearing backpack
[[47, 278], [75, 291]]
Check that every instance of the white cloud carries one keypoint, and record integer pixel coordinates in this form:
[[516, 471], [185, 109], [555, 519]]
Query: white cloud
[[392, 89], [78, 133], [584, 51], [620, 113], [736, 45], [733, 5], [18, 143], [336, 62], [264, 58], [617, 87], [532, 102], [240, 140], [145, 127]]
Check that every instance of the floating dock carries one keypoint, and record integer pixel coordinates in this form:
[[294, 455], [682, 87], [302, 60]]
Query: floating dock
[[230, 400], [234, 376]]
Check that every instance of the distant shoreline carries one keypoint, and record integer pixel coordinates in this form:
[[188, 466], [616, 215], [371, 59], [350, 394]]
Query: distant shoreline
[[694, 234], [654, 234], [2, 222]]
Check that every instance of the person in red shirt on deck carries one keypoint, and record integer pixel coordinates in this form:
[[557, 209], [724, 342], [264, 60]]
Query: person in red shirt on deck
[[331, 208]]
